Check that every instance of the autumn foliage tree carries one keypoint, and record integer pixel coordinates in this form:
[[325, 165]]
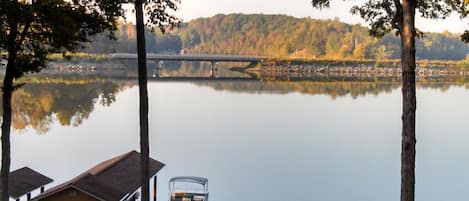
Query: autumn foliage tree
[[285, 36]]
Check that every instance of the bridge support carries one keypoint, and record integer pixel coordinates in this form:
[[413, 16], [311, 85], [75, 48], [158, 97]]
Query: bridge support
[[213, 69]]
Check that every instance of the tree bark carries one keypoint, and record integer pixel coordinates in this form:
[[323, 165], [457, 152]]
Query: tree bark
[[409, 104], [142, 84], [7, 91]]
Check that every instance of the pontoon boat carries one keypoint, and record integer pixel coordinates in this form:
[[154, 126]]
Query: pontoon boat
[[188, 189]]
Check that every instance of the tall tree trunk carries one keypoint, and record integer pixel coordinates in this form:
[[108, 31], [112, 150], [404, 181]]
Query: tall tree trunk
[[142, 85], [7, 91], [409, 104]]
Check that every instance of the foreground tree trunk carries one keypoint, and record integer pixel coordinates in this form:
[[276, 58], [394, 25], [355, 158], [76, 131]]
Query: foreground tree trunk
[[6, 123], [408, 101], [7, 91], [142, 85]]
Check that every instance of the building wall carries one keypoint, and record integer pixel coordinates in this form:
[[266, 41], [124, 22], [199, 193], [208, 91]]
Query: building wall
[[69, 194]]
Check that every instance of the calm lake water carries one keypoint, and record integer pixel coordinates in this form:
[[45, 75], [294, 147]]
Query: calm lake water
[[276, 141]]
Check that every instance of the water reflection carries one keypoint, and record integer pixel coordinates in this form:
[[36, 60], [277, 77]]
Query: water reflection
[[265, 140], [332, 88], [64, 99], [69, 99]]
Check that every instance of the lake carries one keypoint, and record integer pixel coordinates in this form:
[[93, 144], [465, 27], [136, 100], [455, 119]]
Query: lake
[[253, 140]]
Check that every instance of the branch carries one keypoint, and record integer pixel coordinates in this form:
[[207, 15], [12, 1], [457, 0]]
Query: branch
[[398, 16], [320, 3], [26, 26]]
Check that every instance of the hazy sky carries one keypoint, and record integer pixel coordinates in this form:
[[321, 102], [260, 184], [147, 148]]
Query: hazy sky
[[190, 9]]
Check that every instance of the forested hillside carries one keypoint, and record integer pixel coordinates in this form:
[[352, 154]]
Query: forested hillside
[[127, 41], [282, 36]]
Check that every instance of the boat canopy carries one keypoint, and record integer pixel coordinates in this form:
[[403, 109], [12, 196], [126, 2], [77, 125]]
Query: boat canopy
[[200, 180]]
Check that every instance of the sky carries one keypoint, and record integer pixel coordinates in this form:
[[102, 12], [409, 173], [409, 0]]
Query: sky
[[191, 9]]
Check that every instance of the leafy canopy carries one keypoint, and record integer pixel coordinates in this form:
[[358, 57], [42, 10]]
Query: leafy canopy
[[385, 16], [160, 14], [30, 30]]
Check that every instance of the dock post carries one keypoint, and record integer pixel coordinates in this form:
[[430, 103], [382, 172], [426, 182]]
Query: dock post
[[42, 189], [154, 187], [29, 196]]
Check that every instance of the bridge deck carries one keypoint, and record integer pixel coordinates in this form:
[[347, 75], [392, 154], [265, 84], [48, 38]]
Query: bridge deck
[[191, 57]]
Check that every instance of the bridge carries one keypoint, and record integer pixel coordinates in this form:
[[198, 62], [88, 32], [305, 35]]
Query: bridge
[[212, 58]]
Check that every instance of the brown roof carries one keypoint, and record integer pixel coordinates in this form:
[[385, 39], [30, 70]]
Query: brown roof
[[25, 180], [109, 180]]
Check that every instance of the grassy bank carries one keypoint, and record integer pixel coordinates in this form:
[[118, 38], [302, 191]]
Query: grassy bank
[[74, 56]]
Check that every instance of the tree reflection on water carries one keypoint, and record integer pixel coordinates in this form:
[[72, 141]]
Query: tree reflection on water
[[69, 100]]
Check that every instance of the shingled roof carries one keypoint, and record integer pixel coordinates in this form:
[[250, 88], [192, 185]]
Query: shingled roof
[[24, 180], [109, 180]]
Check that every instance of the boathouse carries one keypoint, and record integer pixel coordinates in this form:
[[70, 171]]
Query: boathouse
[[23, 181], [117, 179]]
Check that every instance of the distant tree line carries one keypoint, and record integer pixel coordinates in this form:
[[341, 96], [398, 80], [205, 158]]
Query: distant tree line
[[126, 35], [280, 36]]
